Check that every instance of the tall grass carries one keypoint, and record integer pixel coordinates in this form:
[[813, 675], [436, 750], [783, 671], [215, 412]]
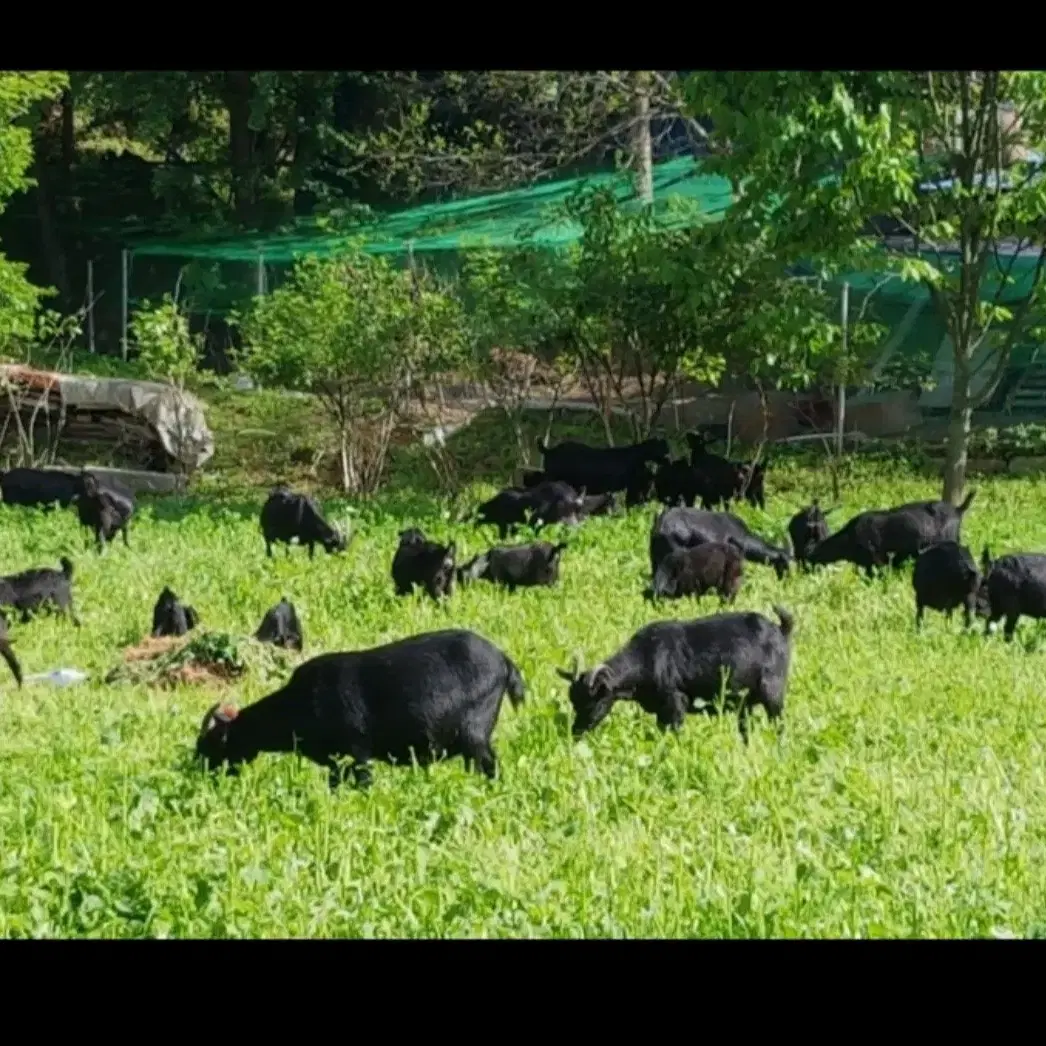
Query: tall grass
[[907, 798]]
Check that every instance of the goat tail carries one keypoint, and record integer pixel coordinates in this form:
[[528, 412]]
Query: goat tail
[[967, 502], [67, 566], [787, 621], [514, 684], [9, 656]]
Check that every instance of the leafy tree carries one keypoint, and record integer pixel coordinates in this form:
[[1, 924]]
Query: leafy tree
[[361, 334], [485, 130], [166, 347], [20, 93], [510, 302], [828, 163]]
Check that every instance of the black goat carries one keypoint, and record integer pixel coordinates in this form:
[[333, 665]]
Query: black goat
[[171, 617], [877, 539], [434, 694], [7, 653], [718, 481], [281, 626], [601, 470], [807, 528], [506, 510], [1012, 587], [695, 571], [676, 483], [686, 527], [521, 566], [668, 666], [32, 589], [105, 512], [286, 516], [420, 563], [946, 577], [548, 501]]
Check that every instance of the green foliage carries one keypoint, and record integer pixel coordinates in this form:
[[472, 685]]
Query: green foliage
[[360, 333], [19, 95], [817, 155], [167, 349]]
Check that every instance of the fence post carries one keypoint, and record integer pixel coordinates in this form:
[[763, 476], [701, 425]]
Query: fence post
[[124, 280], [90, 305], [841, 390]]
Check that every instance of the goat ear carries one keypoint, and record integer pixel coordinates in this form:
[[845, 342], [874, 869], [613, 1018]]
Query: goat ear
[[597, 680], [450, 553], [986, 560], [582, 492], [564, 674]]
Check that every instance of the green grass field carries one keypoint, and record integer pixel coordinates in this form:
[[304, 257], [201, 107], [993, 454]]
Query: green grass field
[[907, 798]]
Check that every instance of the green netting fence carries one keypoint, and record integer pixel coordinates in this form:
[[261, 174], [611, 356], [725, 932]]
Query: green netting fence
[[222, 273]]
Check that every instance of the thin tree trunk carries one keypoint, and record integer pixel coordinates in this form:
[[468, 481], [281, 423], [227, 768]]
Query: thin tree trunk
[[642, 144], [959, 424], [346, 472]]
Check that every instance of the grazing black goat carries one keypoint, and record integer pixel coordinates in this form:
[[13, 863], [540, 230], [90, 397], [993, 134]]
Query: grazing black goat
[[286, 516], [713, 566], [668, 666], [436, 694], [1012, 587], [686, 527], [946, 577], [420, 563], [548, 501], [892, 536], [33, 589], [171, 617], [281, 626], [521, 566]]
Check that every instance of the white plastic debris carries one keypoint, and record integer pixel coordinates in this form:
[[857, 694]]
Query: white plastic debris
[[58, 677]]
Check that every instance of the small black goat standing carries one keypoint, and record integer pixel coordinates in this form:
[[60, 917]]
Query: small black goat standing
[[281, 626], [1012, 587], [7, 653], [171, 617], [436, 694], [668, 666], [946, 577], [103, 511], [520, 566], [717, 566], [420, 563], [32, 589], [286, 516]]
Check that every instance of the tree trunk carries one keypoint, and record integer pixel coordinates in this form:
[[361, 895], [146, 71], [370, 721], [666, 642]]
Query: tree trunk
[[241, 145], [959, 423], [642, 144], [346, 469]]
